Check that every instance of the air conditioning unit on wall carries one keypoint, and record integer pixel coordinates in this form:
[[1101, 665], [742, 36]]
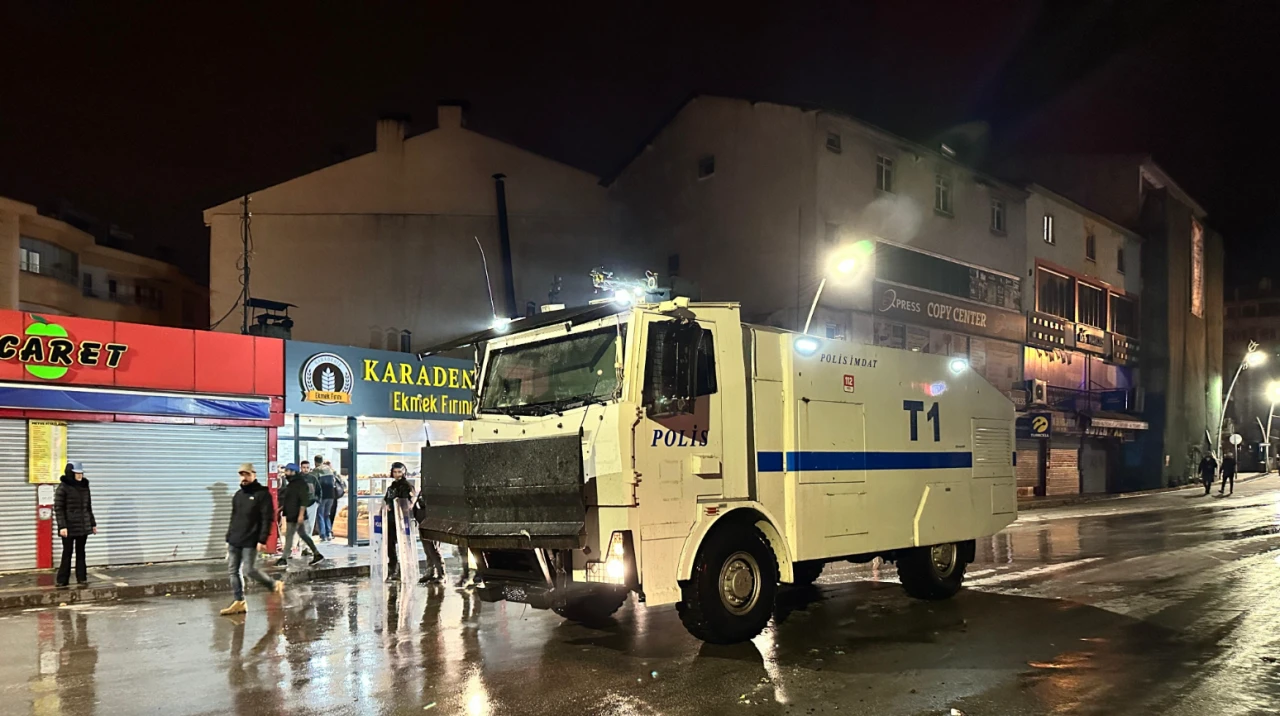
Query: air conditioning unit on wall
[[1037, 392]]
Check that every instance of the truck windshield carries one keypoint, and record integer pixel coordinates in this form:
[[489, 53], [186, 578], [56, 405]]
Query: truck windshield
[[552, 375]]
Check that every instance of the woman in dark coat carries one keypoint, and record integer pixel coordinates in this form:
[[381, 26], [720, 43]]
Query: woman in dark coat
[[74, 509]]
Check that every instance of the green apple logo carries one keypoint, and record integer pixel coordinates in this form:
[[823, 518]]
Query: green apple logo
[[42, 327]]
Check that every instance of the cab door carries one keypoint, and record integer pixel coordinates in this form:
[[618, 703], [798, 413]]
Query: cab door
[[679, 453]]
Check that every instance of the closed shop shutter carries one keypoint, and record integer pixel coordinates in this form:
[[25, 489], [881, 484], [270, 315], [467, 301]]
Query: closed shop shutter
[[162, 493], [1064, 471], [17, 500], [1028, 467]]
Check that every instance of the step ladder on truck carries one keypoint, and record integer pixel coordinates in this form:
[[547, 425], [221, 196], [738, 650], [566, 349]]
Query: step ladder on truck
[[672, 451]]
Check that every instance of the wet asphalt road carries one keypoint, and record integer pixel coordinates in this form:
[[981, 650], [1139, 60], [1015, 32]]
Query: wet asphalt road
[[1154, 605]]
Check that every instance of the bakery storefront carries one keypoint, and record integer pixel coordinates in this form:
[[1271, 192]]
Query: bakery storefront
[[160, 417], [364, 409]]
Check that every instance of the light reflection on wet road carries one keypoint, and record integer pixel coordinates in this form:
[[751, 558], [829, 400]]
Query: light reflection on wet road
[[1161, 604]]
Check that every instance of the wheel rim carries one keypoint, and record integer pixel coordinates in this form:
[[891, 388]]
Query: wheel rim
[[740, 583], [943, 557]]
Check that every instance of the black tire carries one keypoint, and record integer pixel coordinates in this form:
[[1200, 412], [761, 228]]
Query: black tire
[[931, 572], [593, 608], [804, 574], [729, 598]]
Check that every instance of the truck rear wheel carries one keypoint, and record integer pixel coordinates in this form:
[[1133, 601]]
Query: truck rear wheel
[[593, 608], [729, 598], [931, 572], [805, 573]]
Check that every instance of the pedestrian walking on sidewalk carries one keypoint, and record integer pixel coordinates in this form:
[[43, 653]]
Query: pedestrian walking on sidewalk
[[1228, 474], [1208, 471], [399, 489], [313, 486], [324, 510], [293, 504], [73, 506], [251, 517]]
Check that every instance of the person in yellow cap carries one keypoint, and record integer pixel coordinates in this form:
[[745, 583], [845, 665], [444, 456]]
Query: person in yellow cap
[[252, 514]]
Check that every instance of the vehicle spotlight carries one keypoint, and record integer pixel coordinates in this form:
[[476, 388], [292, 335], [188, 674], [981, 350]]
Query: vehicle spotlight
[[807, 345], [958, 365], [500, 323]]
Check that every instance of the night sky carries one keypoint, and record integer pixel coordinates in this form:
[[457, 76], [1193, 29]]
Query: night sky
[[146, 118]]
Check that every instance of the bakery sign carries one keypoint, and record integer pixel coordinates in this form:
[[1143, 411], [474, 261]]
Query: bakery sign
[[912, 305]]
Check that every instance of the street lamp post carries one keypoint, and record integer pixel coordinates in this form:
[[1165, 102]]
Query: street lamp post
[[1273, 395], [1252, 358], [840, 265]]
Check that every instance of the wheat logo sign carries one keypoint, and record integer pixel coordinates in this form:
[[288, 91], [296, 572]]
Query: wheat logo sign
[[326, 379]]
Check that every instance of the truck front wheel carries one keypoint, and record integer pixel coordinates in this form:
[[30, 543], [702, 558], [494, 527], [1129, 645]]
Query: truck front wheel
[[593, 608], [931, 572], [729, 598]]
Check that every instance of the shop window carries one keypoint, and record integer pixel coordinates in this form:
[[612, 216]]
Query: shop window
[[1053, 294]]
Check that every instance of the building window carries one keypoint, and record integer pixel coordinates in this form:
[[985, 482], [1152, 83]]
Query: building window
[[942, 194], [86, 284], [1093, 306], [406, 338], [706, 166], [997, 216], [48, 259], [1120, 259], [1054, 295], [1124, 316], [1091, 248], [832, 331], [884, 174], [111, 288], [29, 260], [833, 142], [1049, 238], [832, 234]]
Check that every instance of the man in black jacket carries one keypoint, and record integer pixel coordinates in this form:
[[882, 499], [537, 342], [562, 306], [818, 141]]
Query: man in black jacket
[[293, 505], [251, 516]]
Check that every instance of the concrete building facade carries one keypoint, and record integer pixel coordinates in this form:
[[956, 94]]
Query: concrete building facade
[[381, 250], [752, 200], [51, 267], [1181, 314], [1083, 344]]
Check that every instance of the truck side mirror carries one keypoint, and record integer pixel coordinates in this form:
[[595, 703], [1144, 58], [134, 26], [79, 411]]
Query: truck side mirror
[[671, 368]]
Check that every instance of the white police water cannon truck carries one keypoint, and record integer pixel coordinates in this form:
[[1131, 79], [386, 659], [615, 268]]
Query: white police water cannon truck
[[672, 451]]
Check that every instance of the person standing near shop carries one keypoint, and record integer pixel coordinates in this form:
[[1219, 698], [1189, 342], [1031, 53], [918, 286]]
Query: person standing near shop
[[251, 516], [293, 503], [399, 489], [324, 510], [339, 491], [313, 484], [73, 506]]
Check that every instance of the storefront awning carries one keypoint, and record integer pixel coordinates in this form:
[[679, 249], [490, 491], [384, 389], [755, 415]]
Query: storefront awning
[[571, 316], [1115, 421]]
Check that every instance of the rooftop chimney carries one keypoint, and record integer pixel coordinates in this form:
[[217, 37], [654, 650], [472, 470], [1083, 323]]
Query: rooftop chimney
[[390, 134], [451, 114]]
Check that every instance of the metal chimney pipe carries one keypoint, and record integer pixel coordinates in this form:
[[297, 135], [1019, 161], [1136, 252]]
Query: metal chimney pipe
[[504, 243]]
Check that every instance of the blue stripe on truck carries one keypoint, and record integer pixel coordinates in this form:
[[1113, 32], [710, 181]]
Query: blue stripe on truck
[[798, 461]]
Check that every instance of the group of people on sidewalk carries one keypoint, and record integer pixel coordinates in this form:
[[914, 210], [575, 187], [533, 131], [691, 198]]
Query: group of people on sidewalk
[[1209, 470], [309, 495]]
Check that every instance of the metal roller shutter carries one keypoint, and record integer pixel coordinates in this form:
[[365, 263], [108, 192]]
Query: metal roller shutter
[[162, 493], [17, 500]]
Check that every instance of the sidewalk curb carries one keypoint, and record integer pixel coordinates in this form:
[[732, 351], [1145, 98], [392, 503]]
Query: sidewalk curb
[[1048, 503], [49, 597]]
